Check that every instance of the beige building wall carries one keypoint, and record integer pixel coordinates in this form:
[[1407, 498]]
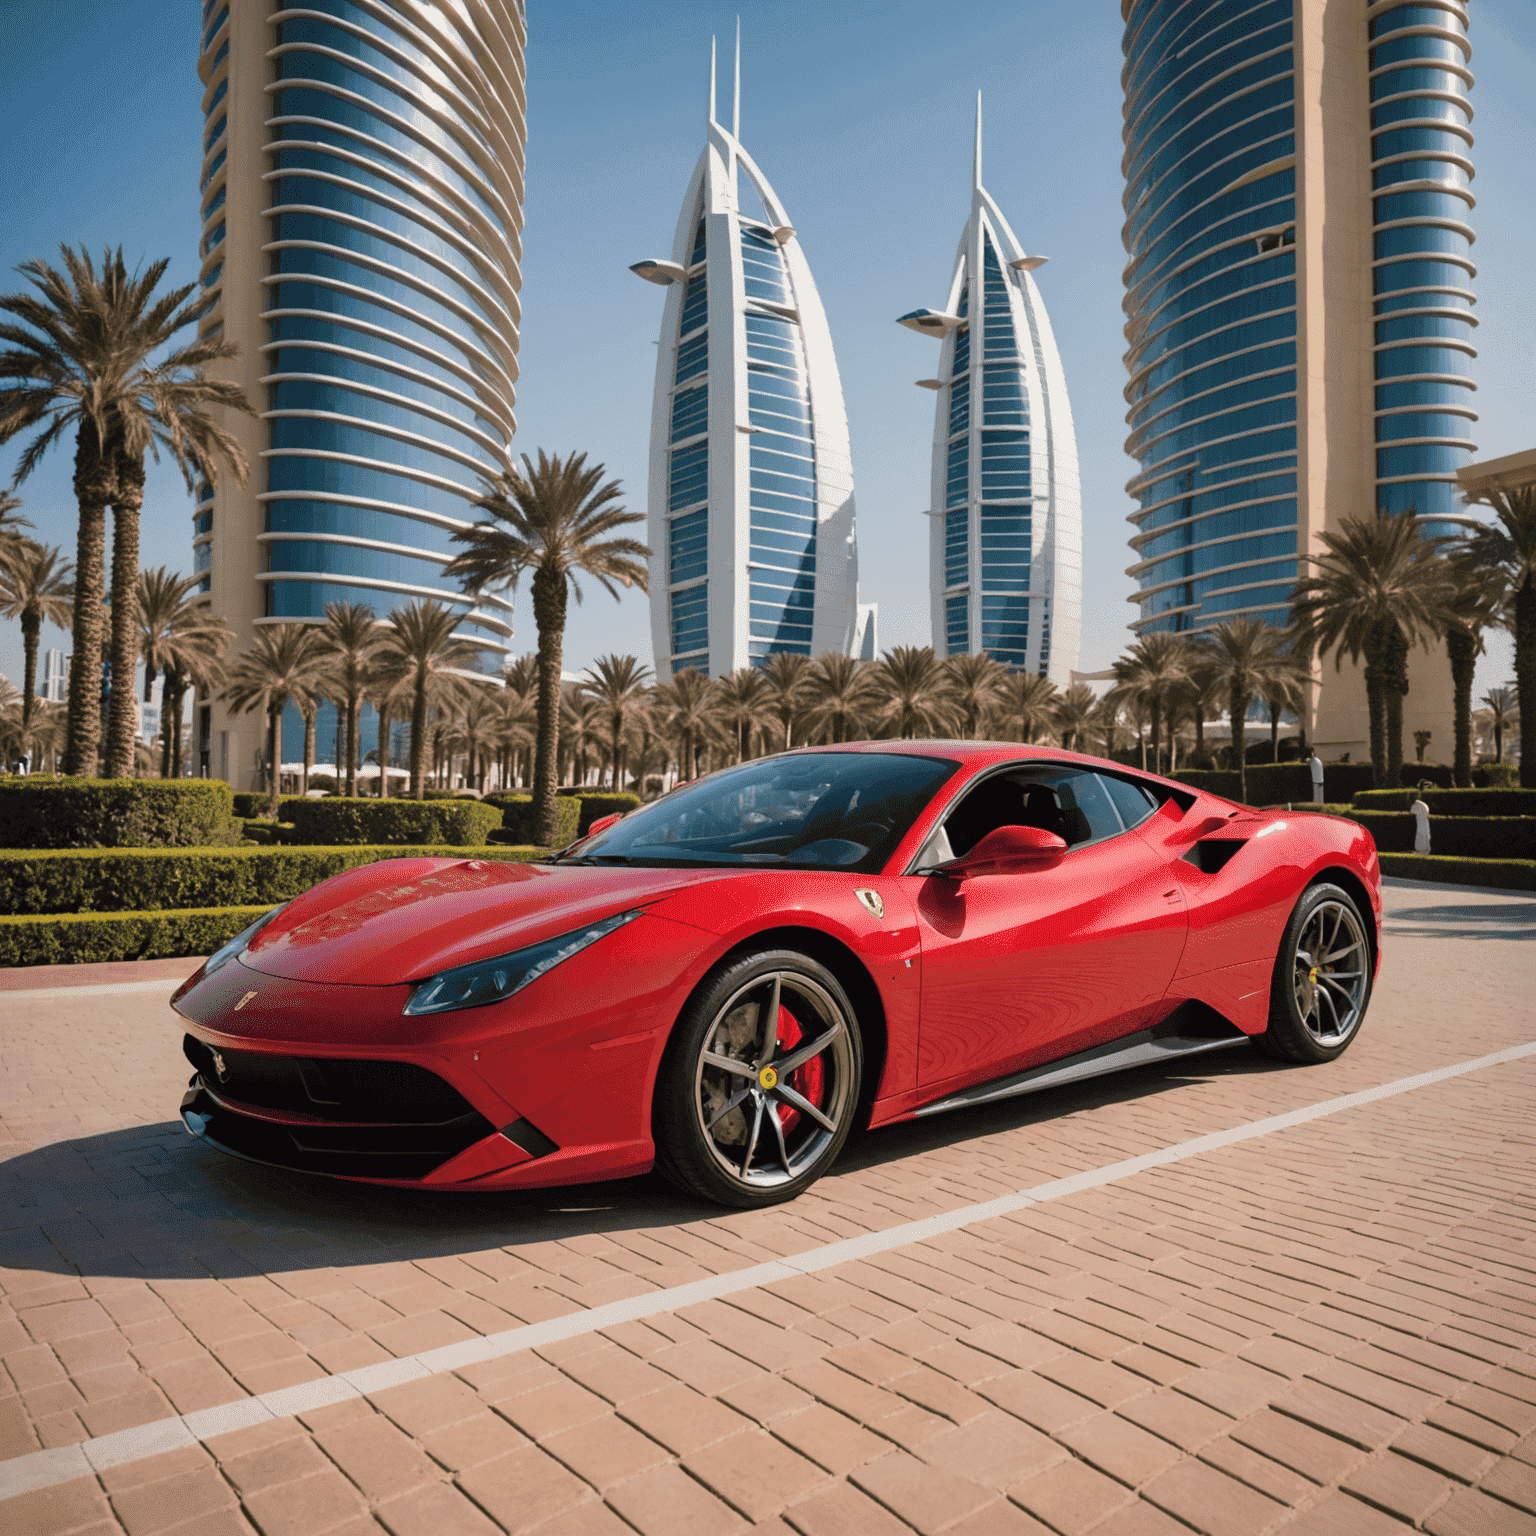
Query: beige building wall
[[235, 741], [1335, 359]]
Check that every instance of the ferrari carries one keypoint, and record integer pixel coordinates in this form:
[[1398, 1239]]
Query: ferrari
[[727, 981]]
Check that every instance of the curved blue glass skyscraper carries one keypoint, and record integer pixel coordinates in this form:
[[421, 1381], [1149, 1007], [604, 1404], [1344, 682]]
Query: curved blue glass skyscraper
[[1298, 296], [363, 209]]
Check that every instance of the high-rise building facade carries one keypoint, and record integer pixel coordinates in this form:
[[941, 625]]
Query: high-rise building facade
[[1005, 519], [751, 521], [362, 189], [1298, 298]]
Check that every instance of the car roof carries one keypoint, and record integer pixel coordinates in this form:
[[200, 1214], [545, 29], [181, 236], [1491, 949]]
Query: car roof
[[985, 754]]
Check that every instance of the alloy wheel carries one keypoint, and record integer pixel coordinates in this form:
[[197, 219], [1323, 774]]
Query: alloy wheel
[[1331, 972], [774, 1083]]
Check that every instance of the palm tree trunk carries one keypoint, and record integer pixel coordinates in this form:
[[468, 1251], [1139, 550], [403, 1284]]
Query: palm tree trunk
[[31, 628], [418, 737], [1395, 666], [165, 727], [1274, 731], [384, 724], [1238, 704], [309, 750], [1461, 648], [123, 715], [1525, 679], [354, 703], [549, 599], [274, 765], [176, 744], [93, 490], [617, 724]]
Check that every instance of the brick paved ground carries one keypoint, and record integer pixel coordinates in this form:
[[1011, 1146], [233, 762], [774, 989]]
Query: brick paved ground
[[1330, 1329]]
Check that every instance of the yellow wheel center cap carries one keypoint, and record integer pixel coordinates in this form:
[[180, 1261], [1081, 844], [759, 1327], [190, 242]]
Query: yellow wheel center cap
[[1312, 975], [767, 1078]]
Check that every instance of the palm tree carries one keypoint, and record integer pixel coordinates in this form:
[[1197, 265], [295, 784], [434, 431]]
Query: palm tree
[[351, 635], [837, 691], [617, 684], [1247, 658], [514, 731], [1477, 604], [1154, 669], [558, 515], [11, 524], [977, 684], [1077, 711], [418, 650], [687, 706], [184, 642], [1029, 705], [1509, 547], [1502, 710], [80, 359], [786, 673], [744, 701], [389, 693], [35, 587], [285, 662], [1379, 589]]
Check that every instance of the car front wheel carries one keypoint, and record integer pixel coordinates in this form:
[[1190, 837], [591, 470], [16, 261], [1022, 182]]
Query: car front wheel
[[1322, 978], [760, 1083]]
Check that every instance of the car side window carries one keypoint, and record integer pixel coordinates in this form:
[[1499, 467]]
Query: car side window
[[1073, 804], [1133, 802]]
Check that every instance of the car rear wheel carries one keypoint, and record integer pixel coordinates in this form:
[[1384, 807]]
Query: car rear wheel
[[1322, 978], [760, 1083]]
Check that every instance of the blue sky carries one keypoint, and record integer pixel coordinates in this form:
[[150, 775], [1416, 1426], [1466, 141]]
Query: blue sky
[[860, 113]]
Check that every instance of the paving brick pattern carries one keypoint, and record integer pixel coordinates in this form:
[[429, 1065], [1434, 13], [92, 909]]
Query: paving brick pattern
[[1330, 1329]]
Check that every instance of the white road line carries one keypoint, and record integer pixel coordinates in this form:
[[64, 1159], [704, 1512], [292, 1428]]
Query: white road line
[[44, 1469], [107, 989]]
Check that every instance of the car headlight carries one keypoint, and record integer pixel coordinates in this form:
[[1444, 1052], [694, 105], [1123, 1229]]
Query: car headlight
[[490, 981], [241, 941]]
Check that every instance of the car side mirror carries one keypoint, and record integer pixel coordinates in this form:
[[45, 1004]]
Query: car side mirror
[[603, 823], [1005, 850]]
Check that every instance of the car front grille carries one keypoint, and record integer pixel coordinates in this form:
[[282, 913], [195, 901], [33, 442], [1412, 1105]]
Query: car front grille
[[366, 1119]]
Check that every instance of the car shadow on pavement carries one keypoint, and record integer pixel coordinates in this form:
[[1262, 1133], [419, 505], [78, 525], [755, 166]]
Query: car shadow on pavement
[[1464, 920], [150, 1202]]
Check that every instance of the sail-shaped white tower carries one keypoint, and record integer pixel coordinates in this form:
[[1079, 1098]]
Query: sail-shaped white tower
[[1006, 518], [751, 522]]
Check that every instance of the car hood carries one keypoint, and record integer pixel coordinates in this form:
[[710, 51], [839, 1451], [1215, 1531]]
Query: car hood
[[405, 919]]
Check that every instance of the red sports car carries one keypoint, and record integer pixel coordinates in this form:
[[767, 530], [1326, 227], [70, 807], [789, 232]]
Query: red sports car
[[724, 982]]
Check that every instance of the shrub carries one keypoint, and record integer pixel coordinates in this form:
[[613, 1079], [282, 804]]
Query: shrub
[[1452, 802], [1281, 783], [152, 879], [1465, 837], [81, 938], [595, 807], [1500, 874], [459, 822], [39, 812], [1496, 776], [248, 805], [517, 818]]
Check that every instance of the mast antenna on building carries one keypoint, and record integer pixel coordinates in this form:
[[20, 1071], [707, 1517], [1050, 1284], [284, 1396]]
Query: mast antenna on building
[[736, 99], [711, 80], [976, 166]]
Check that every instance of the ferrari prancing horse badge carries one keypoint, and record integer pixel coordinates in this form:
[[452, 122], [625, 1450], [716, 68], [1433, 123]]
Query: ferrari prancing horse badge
[[872, 900]]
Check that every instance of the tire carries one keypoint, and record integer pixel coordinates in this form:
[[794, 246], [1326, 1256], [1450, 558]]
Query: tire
[[1322, 982], [752, 1134]]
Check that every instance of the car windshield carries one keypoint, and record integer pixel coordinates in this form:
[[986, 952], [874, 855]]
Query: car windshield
[[811, 810]]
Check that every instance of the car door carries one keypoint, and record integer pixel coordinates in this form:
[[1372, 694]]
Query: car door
[[1024, 967]]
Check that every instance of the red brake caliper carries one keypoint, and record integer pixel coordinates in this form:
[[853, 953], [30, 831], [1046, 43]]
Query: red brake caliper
[[806, 1080]]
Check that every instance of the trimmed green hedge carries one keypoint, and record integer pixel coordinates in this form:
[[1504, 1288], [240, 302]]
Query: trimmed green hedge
[[1443, 775], [517, 820], [595, 807], [39, 812], [1464, 837], [1452, 802], [1280, 783], [462, 823], [154, 879], [81, 938], [1500, 874]]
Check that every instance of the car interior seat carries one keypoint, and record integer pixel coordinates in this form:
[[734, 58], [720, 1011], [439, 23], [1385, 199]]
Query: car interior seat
[[1042, 808], [995, 803]]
